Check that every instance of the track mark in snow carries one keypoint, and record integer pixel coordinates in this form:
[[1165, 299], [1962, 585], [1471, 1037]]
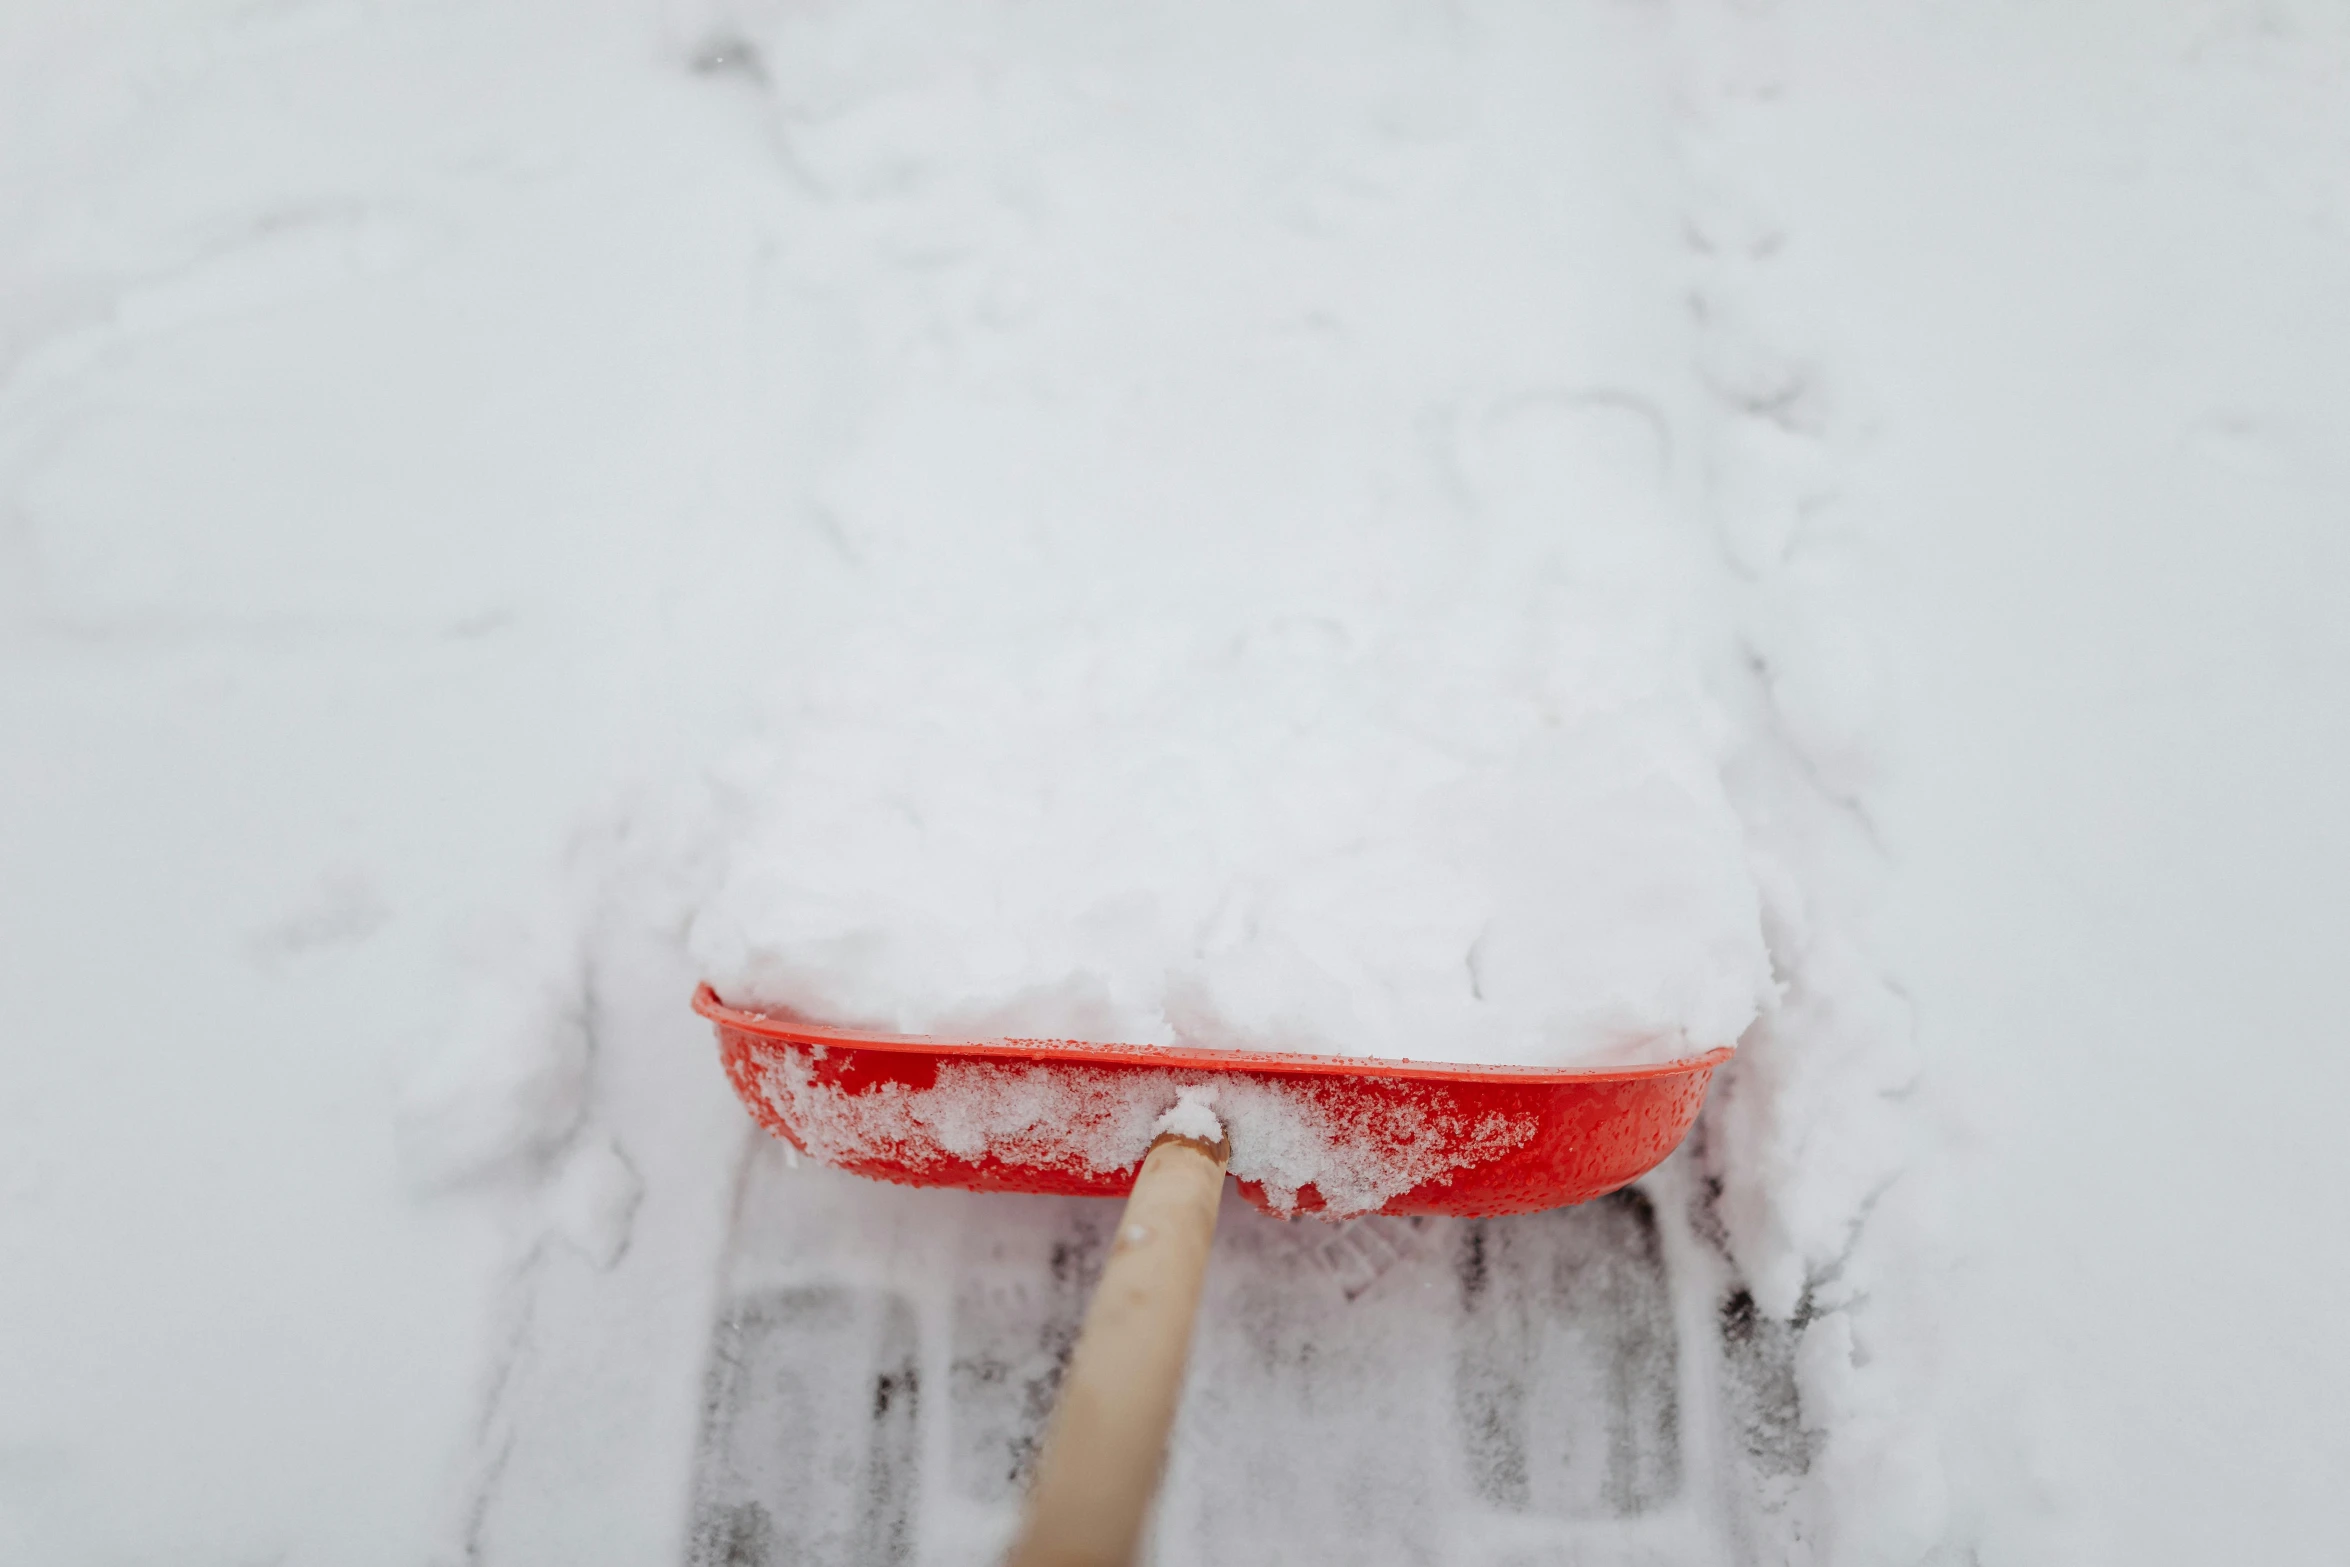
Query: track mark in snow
[[1016, 1317], [1409, 1390], [809, 1443], [1567, 1377]]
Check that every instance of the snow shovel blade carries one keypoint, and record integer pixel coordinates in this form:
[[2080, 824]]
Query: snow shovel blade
[[1074, 1118]]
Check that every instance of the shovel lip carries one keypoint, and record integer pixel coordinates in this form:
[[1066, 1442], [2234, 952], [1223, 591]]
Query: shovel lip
[[1076, 1052]]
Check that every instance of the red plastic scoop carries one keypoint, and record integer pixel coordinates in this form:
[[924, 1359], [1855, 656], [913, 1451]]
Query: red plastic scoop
[[1062, 1116]]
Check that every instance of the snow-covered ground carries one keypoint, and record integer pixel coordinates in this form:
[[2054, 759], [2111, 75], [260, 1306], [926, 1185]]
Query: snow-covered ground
[[2089, 274], [431, 436]]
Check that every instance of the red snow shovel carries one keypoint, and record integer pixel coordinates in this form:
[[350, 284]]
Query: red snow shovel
[[1065, 1116]]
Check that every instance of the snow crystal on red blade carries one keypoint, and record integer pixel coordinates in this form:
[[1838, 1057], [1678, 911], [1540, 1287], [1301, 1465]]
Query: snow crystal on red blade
[[1307, 1135]]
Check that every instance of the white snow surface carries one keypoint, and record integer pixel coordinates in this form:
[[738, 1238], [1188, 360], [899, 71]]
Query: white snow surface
[[1487, 828], [1263, 619], [1502, 531]]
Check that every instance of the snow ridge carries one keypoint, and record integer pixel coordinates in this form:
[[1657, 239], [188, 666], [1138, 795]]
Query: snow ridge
[[1820, 1165]]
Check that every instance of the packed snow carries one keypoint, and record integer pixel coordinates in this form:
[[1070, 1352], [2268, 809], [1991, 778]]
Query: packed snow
[[1231, 655], [1421, 831], [1502, 532], [1259, 614]]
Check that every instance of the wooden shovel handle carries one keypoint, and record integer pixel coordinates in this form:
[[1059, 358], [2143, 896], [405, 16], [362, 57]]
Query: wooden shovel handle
[[1108, 1440]]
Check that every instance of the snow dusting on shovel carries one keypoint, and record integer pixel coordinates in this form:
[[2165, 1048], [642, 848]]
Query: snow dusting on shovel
[[1285, 1136]]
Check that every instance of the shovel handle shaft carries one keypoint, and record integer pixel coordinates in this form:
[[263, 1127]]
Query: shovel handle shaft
[[1108, 1440]]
